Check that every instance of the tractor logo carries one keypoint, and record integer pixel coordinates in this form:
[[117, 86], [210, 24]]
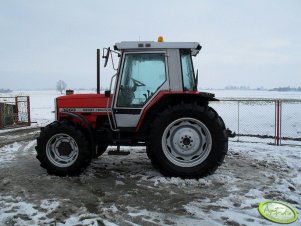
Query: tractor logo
[[67, 110], [83, 110]]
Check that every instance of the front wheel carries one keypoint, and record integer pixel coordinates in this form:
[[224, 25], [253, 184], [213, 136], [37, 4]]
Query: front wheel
[[62, 149], [188, 141]]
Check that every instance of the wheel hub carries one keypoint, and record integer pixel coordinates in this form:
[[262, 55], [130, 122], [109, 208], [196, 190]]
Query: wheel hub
[[186, 139], [62, 150], [186, 142]]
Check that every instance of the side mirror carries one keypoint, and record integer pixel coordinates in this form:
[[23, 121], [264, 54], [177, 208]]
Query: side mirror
[[107, 93], [105, 55]]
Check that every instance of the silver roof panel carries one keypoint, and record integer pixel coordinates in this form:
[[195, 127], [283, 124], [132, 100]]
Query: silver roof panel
[[193, 46]]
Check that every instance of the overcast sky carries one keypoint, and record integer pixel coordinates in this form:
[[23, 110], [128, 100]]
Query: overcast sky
[[253, 43]]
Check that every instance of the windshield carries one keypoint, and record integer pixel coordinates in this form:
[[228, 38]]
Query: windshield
[[187, 72], [142, 75]]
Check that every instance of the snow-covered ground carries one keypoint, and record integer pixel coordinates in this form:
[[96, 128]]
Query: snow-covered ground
[[127, 190]]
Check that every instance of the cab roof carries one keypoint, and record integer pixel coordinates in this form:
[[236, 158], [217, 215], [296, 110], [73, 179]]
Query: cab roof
[[146, 45]]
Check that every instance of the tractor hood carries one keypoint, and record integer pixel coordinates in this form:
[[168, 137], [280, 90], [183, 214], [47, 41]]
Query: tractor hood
[[83, 101]]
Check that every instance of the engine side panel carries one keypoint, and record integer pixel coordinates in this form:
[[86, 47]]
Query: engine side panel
[[89, 106]]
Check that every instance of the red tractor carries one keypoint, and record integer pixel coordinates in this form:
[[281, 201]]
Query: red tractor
[[154, 103]]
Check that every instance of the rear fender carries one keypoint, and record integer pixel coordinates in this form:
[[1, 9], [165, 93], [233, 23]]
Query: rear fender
[[161, 103]]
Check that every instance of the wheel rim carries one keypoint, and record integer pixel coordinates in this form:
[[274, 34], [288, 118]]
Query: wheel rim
[[186, 142], [62, 150]]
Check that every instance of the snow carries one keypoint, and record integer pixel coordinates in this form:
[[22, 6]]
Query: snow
[[118, 182], [222, 198], [254, 94], [7, 153], [16, 129], [25, 213]]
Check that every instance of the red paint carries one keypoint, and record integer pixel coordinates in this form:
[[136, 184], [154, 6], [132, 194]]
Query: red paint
[[100, 101], [157, 98], [84, 101]]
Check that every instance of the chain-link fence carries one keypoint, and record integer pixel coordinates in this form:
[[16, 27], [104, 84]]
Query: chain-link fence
[[290, 121], [14, 111], [262, 120]]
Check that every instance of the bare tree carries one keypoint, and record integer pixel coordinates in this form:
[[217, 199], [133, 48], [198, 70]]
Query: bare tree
[[61, 86]]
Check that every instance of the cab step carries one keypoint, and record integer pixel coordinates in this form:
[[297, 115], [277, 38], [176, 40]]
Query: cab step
[[118, 152]]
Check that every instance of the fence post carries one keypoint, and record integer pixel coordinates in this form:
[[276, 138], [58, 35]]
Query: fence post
[[275, 142], [278, 123], [1, 124], [17, 110], [238, 120], [28, 111]]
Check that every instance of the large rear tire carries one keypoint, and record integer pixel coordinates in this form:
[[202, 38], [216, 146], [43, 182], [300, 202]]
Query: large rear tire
[[63, 149], [188, 141]]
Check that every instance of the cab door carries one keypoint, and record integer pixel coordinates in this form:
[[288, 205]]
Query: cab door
[[142, 76]]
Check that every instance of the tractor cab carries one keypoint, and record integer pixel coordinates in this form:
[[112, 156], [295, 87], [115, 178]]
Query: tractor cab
[[146, 69]]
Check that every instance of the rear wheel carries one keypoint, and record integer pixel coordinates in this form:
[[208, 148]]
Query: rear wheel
[[188, 141], [62, 149]]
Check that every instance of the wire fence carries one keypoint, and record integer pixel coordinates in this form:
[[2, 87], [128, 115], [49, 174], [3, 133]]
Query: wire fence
[[14, 111], [262, 120], [290, 119]]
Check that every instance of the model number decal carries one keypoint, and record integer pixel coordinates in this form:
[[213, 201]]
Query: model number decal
[[62, 110]]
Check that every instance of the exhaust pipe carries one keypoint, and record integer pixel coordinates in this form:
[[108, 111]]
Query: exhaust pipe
[[98, 71]]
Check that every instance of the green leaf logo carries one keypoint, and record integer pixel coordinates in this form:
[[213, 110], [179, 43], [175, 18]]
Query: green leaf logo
[[278, 212]]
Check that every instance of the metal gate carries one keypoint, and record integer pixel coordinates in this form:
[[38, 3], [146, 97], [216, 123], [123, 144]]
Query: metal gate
[[14, 111]]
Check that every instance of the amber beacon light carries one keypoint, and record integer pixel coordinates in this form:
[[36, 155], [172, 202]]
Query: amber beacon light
[[160, 39]]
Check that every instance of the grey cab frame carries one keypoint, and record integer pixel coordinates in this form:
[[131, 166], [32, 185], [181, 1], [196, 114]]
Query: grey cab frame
[[128, 117]]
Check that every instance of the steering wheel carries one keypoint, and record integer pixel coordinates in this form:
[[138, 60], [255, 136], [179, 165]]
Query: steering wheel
[[127, 93], [137, 83]]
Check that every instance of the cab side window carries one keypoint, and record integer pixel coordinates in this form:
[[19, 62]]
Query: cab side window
[[187, 72]]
